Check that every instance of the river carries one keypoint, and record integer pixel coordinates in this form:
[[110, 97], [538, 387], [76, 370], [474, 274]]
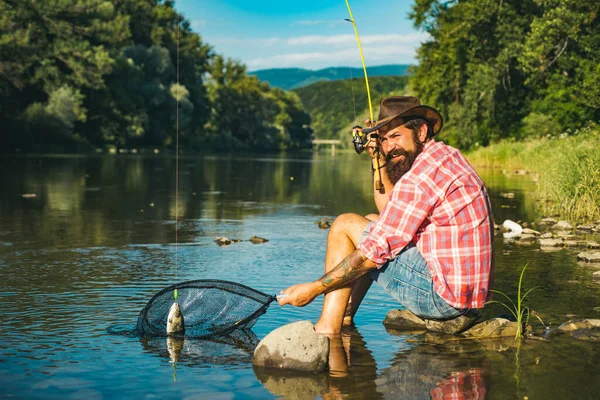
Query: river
[[86, 241]]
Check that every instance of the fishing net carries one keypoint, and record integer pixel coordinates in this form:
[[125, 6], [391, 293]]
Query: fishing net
[[210, 308]]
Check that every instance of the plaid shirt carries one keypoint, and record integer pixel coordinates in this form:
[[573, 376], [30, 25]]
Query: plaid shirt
[[440, 205]]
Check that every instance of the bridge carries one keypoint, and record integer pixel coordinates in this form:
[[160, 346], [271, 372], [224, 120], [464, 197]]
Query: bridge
[[332, 142]]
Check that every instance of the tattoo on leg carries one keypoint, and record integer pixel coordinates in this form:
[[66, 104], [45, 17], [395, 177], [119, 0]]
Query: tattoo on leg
[[346, 271]]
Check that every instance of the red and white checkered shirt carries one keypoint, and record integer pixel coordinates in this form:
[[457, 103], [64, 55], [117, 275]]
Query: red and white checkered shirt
[[442, 206]]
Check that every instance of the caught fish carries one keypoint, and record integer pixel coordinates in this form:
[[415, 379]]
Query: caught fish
[[175, 324]]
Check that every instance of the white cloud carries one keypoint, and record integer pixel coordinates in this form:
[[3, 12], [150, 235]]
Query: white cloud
[[330, 22], [399, 53]]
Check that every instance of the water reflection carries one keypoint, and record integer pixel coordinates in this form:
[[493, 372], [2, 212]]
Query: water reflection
[[235, 349]]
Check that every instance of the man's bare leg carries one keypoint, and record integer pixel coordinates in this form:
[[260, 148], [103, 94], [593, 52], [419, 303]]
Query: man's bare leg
[[342, 240]]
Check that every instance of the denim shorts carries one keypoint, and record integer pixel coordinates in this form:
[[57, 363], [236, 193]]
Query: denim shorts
[[408, 280]]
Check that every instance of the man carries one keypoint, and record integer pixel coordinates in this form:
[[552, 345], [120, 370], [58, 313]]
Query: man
[[431, 248]]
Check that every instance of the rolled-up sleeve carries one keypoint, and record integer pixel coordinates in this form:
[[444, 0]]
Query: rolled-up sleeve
[[398, 224]]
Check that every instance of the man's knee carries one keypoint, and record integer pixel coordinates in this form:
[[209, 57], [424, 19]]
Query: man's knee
[[351, 225]]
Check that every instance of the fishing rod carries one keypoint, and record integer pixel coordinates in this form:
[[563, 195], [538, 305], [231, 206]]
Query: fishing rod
[[358, 138]]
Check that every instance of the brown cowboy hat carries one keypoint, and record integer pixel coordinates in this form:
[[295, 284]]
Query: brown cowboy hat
[[398, 109]]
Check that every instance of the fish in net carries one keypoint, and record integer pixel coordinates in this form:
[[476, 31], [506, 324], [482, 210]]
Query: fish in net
[[210, 308]]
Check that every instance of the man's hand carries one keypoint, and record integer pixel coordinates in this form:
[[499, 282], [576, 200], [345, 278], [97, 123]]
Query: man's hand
[[301, 294]]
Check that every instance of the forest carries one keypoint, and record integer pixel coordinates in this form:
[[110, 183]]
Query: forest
[[79, 75]]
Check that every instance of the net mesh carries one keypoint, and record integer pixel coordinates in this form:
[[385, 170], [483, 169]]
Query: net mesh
[[210, 308]]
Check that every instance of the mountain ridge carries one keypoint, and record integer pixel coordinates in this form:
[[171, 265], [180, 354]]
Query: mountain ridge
[[294, 78]]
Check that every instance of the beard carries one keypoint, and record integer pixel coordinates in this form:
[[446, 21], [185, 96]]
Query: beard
[[395, 170]]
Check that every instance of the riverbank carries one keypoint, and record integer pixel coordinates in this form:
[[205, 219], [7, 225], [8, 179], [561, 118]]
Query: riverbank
[[565, 168]]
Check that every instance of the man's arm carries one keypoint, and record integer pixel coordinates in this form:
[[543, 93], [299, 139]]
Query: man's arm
[[351, 268]]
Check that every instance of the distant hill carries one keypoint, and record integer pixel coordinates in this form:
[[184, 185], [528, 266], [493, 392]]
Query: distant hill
[[331, 106], [292, 78]]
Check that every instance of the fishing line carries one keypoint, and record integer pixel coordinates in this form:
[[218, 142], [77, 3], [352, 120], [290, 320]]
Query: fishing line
[[177, 164]]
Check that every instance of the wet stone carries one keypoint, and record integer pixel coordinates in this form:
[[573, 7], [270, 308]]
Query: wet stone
[[574, 243], [324, 223], [593, 245], [589, 256], [546, 235], [562, 226], [403, 320], [295, 346], [551, 242], [526, 238], [257, 240], [529, 231], [585, 228], [452, 326], [548, 221], [564, 234], [495, 327], [574, 325], [596, 276]]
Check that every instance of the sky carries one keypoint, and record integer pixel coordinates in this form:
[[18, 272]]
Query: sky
[[309, 34]]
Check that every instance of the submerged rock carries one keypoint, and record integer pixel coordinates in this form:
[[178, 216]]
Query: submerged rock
[[588, 335], [257, 240], [495, 327], [295, 346]]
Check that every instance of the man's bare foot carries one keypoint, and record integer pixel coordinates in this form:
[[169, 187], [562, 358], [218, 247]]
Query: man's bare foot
[[347, 321]]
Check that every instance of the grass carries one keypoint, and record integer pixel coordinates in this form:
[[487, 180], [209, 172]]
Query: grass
[[567, 170], [519, 310]]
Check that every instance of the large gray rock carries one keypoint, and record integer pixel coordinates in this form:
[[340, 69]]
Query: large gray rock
[[295, 346], [496, 327]]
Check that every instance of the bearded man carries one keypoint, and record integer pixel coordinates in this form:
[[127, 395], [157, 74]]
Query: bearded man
[[431, 246]]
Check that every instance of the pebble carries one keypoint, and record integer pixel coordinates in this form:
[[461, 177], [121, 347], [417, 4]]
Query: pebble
[[551, 242]]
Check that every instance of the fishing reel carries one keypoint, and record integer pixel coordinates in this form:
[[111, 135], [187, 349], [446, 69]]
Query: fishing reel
[[360, 139]]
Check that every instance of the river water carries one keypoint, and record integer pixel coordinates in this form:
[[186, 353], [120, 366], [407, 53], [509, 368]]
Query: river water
[[86, 241]]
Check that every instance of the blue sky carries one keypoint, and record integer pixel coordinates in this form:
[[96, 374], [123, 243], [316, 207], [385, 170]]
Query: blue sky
[[305, 33]]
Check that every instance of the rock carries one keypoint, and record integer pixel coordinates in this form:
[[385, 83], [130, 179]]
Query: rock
[[551, 242], [585, 228], [223, 241], [562, 226], [496, 327], [324, 223], [596, 276], [403, 320], [295, 346], [574, 325], [589, 256], [508, 195], [593, 245], [588, 335], [526, 238], [528, 231], [548, 221], [513, 228], [257, 240], [574, 243], [546, 235], [453, 326], [564, 234], [497, 227]]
